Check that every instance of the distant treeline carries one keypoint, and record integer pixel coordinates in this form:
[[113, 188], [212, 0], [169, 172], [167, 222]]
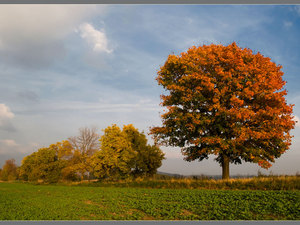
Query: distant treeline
[[118, 154]]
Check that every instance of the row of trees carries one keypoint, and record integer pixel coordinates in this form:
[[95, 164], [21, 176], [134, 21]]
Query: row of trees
[[118, 154]]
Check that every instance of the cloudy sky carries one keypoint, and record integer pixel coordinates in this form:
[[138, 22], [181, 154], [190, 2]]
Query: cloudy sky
[[63, 67]]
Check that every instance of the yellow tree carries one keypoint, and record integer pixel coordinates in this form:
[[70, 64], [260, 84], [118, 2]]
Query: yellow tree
[[47, 163], [115, 157], [226, 101], [9, 170]]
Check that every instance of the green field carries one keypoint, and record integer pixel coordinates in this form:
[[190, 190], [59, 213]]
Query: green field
[[20, 201]]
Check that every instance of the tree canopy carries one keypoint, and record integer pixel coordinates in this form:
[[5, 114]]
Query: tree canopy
[[46, 164], [116, 156], [226, 101], [148, 157], [125, 153]]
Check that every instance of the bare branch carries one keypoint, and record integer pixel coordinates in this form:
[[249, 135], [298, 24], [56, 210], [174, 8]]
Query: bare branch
[[87, 142]]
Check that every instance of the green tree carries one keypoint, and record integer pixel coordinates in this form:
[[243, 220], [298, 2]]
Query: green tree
[[148, 158], [226, 101], [9, 170]]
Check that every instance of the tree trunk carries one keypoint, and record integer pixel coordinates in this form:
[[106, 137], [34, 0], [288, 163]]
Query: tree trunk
[[225, 167]]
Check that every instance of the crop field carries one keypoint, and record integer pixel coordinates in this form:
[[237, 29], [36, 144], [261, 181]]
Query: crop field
[[20, 201]]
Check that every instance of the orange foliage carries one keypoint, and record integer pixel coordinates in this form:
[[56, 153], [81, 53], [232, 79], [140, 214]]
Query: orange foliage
[[227, 101]]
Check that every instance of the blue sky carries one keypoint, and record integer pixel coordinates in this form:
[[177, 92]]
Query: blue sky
[[63, 67]]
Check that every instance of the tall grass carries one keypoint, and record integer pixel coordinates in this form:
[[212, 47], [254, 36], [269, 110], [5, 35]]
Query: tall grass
[[255, 183]]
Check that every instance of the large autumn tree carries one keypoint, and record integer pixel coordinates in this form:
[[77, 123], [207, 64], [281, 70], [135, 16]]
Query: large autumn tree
[[226, 101]]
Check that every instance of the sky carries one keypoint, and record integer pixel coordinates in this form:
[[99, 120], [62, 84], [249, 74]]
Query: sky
[[63, 67]]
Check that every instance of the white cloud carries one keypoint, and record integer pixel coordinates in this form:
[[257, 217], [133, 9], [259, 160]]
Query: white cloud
[[5, 112], [96, 38], [40, 21], [9, 146], [9, 142], [5, 118], [32, 35]]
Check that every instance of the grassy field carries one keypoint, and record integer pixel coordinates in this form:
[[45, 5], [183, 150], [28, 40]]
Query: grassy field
[[20, 201]]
